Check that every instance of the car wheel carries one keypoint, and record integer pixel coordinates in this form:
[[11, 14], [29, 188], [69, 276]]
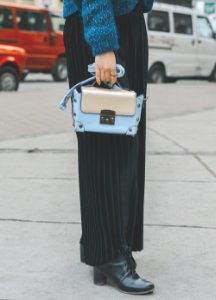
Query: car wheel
[[157, 74], [59, 72], [9, 79], [213, 75]]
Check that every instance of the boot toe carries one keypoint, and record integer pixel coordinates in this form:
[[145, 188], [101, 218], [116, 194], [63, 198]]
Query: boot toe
[[137, 287]]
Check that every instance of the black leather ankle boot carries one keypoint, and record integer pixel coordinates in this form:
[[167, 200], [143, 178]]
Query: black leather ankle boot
[[132, 260], [122, 274]]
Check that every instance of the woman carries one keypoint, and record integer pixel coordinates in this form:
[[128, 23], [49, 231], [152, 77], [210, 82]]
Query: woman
[[111, 167]]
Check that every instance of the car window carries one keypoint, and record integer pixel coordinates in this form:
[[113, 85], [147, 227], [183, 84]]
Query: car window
[[183, 23], [31, 21], [158, 21], [6, 18], [204, 28], [57, 22]]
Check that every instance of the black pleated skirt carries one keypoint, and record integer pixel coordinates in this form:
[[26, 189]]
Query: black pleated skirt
[[111, 167]]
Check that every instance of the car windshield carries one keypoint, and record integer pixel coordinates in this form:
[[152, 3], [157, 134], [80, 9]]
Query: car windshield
[[57, 22]]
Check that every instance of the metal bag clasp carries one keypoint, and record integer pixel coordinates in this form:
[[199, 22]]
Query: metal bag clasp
[[107, 117]]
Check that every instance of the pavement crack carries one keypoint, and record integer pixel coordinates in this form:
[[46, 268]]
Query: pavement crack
[[181, 226], [76, 179], [63, 151], [36, 150], [43, 178], [36, 221], [79, 223], [204, 153], [180, 181]]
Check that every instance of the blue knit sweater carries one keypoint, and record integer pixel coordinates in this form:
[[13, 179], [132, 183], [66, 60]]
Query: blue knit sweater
[[98, 16]]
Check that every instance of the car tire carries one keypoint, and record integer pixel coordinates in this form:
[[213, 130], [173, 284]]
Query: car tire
[[157, 74], [59, 71], [9, 79], [213, 75]]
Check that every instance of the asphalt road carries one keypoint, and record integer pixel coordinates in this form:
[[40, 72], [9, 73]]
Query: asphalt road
[[33, 110]]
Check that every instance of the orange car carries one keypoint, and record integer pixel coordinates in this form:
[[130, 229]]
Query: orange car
[[39, 32], [12, 63]]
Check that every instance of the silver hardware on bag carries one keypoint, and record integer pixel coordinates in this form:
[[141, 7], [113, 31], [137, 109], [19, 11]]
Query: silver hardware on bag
[[107, 117]]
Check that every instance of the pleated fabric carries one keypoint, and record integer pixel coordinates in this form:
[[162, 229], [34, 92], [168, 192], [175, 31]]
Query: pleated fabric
[[111, 167]]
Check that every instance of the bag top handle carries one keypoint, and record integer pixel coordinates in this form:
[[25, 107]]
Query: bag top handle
[[120, 71]]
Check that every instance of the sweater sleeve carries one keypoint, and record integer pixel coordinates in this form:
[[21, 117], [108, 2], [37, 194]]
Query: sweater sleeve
[[99, 25]]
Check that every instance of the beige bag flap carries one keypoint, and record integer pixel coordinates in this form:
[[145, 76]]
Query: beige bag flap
[[95, 99]]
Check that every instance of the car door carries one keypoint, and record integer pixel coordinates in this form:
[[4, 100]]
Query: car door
[[33, 36], [184, 47], [160, 39], [7, 28], [206, 46]]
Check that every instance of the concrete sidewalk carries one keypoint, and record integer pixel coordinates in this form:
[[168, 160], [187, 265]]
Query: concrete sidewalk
[[40, 217]]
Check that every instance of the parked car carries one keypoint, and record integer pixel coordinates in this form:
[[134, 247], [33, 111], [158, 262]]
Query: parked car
[[182, 44], [39, 32], [212, 19], [12, 63]]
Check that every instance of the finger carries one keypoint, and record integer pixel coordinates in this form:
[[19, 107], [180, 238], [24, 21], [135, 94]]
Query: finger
[[98, 76], [108, 75], [102, 75], [113, 78], [113, 70]]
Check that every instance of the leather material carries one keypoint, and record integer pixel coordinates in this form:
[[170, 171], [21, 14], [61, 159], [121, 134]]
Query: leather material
[[94, 99], [127, 104], [123, 275], [132, 260], [91, 121]]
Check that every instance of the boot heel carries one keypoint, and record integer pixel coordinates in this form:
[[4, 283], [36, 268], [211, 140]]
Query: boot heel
[[99, 278]]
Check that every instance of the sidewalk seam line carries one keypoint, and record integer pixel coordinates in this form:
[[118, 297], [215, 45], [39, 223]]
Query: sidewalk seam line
[[79, 223], [75, 178], [167, 138], [63, 151], [169, 116], [195, 156], [204, 165]]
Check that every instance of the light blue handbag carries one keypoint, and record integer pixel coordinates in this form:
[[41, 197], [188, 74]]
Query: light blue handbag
[[110, 109]]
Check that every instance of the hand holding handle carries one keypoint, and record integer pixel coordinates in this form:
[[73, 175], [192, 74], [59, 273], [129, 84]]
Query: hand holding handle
[[120, 71]]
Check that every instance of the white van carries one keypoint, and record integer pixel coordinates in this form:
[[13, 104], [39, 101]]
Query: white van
[[212, 19], [182, 44]]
